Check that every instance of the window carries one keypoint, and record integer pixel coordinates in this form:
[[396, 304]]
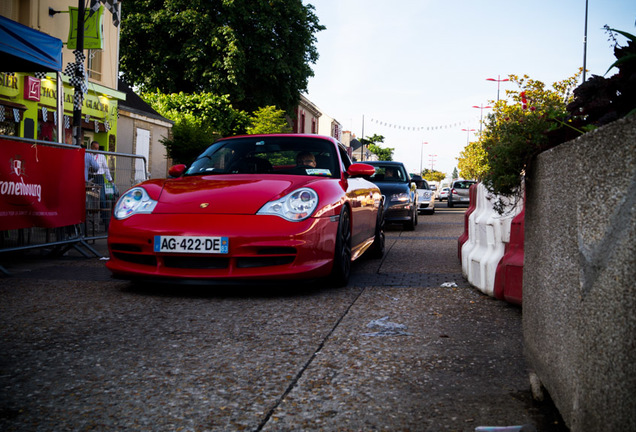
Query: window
[[95, 65]]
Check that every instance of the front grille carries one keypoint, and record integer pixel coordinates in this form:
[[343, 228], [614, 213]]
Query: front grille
[[190, 262]]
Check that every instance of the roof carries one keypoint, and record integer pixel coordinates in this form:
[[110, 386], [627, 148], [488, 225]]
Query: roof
[[136, 104]]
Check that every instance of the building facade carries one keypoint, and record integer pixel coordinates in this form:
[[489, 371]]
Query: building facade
[[307, 117], [330, 126], [29, 99]]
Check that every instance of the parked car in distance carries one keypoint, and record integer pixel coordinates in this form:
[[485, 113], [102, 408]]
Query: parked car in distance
[[442, 194], [425, 195], [459, 192], [400, 193], [250, 208]]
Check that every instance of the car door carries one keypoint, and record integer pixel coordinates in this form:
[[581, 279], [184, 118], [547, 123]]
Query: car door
[[364, 199]]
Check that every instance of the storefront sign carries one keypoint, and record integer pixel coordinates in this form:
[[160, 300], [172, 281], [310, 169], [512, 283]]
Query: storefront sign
[[93, 29], [32, 87], [8, 84], [40, 186]]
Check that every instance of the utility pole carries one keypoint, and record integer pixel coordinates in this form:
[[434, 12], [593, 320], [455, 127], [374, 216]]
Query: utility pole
[[585, 43], [362, 141], [77, 106]]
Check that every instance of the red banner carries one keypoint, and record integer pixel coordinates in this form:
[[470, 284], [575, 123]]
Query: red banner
[[40, 186]]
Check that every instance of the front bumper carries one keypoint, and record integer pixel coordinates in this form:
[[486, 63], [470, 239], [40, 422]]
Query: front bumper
[[398, 212], [260, 247]]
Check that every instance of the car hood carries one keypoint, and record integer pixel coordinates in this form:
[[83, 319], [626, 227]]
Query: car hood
[[223, 194], [389, 188]]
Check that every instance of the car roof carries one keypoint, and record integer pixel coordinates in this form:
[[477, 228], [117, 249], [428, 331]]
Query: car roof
[[383, 163]]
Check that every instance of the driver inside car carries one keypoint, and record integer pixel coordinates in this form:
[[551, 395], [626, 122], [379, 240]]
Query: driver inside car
[[306, 159]]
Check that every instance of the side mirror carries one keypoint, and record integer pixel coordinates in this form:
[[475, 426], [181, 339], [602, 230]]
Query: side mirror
[[360, 170], [177, 170]]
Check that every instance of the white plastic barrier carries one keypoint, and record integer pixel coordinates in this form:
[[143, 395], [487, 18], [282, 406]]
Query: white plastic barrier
[[488, 233], [471, 242]]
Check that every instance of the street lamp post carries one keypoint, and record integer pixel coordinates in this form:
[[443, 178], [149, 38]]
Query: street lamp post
[[481, 119], [432, 160], [498, 81], [422, 156], [468, 131]]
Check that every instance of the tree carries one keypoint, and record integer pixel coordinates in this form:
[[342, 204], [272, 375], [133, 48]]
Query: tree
[[455, 174], [383, 154], [199, 120], [433, 175], [472, 161], [268, 120], [258, 53], [516, 132]]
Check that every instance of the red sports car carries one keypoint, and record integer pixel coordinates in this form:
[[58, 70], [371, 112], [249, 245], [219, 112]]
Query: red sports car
[[251, 207]]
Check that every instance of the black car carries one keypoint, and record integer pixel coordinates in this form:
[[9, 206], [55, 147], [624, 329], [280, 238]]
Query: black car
[[400, 194]]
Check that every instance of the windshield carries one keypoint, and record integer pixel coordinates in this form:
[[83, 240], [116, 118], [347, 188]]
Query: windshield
[[463, 184], [389, 173], [269, 155]]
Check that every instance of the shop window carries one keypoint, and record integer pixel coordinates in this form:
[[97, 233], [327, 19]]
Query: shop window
[[11, 115], [95, 65], [8, 128]]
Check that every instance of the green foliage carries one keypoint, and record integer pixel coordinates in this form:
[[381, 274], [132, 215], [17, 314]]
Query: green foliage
[[383, 154], [455, 174], [268, 120], [258, 52], [472, 161], [537, 119], [433, 175], [599, 100], [516, 132], [199, 120], [188, 140]]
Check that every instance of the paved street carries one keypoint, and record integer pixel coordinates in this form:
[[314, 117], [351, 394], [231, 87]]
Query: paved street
[[407, 345]]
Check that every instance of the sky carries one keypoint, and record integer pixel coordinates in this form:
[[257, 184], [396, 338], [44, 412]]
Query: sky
[[412, 70]]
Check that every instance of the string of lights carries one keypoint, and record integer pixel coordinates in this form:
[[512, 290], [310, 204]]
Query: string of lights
[[453, 125]]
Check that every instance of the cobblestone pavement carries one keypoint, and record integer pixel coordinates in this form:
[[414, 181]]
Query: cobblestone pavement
[[408, 345]]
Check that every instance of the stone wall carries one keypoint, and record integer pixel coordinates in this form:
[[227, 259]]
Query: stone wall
[[579, 280]]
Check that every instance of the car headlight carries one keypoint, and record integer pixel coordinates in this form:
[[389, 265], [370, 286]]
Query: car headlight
[[296, 206], [134, 201], [401, 197]]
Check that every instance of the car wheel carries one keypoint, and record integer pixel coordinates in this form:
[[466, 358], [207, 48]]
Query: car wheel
[[410, 225], [377, 248], [342, 254]]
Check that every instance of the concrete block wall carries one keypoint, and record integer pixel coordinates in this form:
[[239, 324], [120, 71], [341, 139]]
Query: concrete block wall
[[579, 278]]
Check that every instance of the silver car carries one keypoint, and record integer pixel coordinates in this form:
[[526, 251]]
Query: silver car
[[442, 194], [459, 192], [425, 195]]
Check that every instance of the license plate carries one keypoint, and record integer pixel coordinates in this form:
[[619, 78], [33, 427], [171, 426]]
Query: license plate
[[191, 244]]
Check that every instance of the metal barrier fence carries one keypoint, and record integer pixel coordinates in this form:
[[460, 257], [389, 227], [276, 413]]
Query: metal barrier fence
[[126, 170]]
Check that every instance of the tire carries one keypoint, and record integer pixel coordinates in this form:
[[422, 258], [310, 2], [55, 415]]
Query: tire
[[341, 270], [379, 241], [410, 225]]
